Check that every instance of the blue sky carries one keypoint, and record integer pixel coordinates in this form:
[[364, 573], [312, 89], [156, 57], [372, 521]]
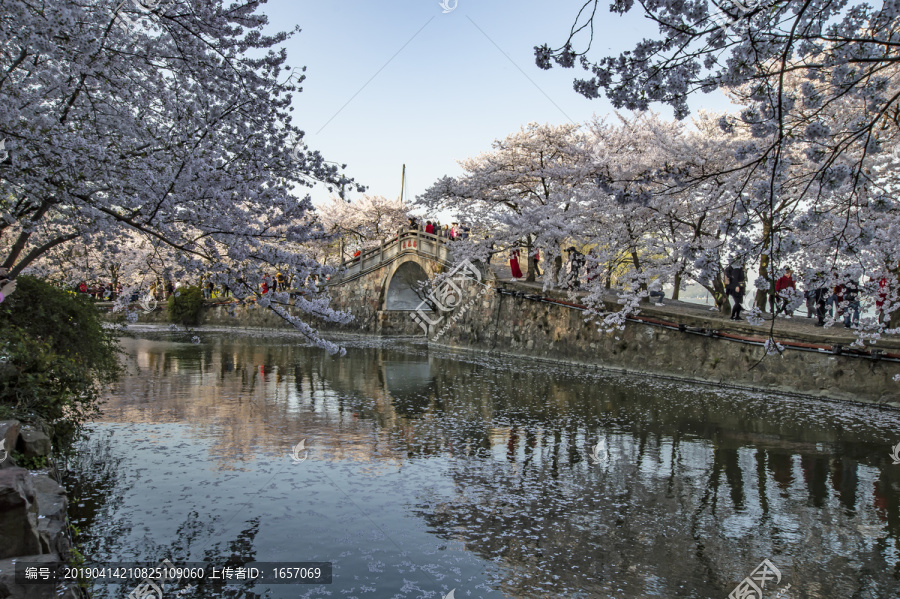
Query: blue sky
[[394, 82]]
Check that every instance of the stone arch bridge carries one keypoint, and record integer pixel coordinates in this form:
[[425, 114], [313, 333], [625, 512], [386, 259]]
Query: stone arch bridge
[[379, 285]]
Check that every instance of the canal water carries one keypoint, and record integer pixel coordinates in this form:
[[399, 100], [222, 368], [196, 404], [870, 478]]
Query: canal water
[[423, 472]]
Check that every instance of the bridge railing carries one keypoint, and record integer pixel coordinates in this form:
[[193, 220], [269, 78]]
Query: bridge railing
[[405, 241]]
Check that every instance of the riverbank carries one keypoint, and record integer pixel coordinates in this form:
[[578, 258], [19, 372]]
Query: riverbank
[[677, 340], [33, 508]]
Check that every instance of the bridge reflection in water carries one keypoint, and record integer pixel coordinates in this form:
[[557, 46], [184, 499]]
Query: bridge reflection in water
[[481, 474]]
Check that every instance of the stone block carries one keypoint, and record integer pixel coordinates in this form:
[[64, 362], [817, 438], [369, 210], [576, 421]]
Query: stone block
[[52, 534], [33, 443], [51, 506], [10, 590], [18, 514], [51, 497], [9, 432]]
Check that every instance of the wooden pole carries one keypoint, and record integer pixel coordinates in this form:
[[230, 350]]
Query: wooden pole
[[402, 183]]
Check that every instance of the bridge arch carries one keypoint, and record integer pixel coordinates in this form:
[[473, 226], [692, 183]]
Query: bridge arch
[[400, 290]]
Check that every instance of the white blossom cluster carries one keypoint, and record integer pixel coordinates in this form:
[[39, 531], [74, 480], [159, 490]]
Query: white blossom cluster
[[773, 348], [755, 316], [154, 153]]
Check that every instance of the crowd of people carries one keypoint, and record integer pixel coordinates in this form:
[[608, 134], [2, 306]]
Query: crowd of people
[[450, 232], [274, 283], [99, 291], [576, 263], [834, 298], [433, 227], [162, 290]]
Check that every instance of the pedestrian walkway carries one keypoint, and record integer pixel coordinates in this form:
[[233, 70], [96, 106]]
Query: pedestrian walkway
[[798, 328]]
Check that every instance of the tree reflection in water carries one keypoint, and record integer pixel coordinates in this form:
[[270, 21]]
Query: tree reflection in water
[[491, 456]]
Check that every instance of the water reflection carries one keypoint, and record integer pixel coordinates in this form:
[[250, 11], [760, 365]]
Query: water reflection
[[428, 473]]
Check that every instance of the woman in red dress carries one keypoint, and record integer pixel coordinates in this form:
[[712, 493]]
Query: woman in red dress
[[881, 297], [514, 264]]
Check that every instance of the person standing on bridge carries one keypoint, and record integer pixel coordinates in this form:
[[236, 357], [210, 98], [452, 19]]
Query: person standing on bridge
[[655, 291], [429, 228], [576, 263], [735, 287], [881, 298], [785, 287], [834, 300], [820, 296], [514, 264], [851, 296]]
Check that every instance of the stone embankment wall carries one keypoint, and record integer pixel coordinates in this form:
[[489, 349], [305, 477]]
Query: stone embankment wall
[[519, 323], [32, 515], [511, 318], [515, 319]]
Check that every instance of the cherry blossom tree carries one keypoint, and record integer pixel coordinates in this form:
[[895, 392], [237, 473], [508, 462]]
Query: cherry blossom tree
[[650, 199], [520, 192], [131, 261], [167, 121], [639, 219], [818, 82], [361, 223]]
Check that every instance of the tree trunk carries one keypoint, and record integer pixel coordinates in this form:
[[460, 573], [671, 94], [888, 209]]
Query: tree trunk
[[637, 266], [557, 268], [532, 264], [677, 284], [762, 295], [720, 297], [894, 321], [22, 240], [38, 251], [114, 275]]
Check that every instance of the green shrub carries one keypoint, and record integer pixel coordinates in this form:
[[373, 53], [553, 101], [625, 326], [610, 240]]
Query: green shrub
[[56, 357], [38, 462], [186, 306]]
